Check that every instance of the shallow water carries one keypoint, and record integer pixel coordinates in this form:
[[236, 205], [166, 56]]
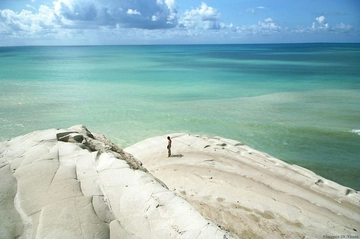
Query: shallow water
[[297, 102]]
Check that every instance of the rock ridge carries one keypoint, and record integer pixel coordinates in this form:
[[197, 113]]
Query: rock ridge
[[71, 183]]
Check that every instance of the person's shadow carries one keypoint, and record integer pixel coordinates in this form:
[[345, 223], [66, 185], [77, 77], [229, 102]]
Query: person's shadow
[[177, 156]]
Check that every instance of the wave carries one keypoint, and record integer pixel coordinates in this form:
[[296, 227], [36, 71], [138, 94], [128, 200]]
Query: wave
[[356, 131]]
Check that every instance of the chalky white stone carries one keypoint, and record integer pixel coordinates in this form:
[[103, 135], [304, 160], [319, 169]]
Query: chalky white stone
[[70, 183]]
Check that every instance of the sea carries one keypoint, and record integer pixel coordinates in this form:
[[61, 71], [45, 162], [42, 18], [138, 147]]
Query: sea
[[297, 102]]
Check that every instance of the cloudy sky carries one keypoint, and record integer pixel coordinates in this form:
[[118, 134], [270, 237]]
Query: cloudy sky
[[78, 22]]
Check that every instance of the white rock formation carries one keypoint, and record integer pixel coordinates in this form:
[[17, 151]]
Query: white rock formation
[[249, 192], [74, 184]]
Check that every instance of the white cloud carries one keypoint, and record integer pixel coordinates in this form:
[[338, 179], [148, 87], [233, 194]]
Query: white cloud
[[138, 13], [322, 26], [67, 18], [252, 10], [343, 28], [31, 7], [203, 17], [265, 27], [142, 14], [71, 19], [22, 22], [321, 20], [133, 12], [321, 23], [147, 20]]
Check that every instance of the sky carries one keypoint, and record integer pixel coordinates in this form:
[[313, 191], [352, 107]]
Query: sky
[[112, 22]]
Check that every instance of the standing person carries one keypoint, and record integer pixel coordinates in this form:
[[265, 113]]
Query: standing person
[[169, 146]]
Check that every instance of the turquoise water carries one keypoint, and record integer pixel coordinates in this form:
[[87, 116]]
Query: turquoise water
[[297, 102]]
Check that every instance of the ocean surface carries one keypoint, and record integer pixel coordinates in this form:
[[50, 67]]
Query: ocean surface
[[297, 102]]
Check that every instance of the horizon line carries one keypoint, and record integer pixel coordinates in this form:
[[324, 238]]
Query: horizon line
[[175, 44]]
